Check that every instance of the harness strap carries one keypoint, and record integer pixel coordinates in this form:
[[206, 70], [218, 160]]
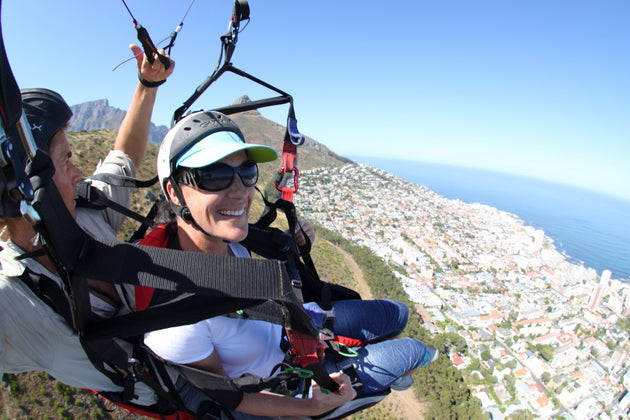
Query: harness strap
[[113, 361], [155, 375], [121, 180], [229, 391], [142, 230], [92, 197], [32, 254], [49, 292], [268, 243], [321, 376], [89, 196]]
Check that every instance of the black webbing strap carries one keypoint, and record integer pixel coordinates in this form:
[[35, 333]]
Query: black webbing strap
[[187, 310], [49, 291], [217, 387], [10, 98], [151, 371], [121, 180], [92, 197], [313, 288], [320, 375], [143, 367], [270, 242], [228, 280], [208, 275], [229, 391], [113, 361], [142, 230]]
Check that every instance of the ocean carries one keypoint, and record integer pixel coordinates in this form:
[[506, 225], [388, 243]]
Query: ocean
[[586, 226]]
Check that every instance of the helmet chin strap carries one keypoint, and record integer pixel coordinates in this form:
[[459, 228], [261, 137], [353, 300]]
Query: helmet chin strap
[[183, 211]]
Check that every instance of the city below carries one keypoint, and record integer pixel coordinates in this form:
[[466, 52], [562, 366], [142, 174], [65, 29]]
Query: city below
[[544, 335]]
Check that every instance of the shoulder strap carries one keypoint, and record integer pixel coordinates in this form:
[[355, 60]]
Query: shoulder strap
[[92, 197], [271, 242], [49, 291], [122, 180], [159, 238]]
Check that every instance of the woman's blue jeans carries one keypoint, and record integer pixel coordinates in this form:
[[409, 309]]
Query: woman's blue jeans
[[370, 320], [379, 363]]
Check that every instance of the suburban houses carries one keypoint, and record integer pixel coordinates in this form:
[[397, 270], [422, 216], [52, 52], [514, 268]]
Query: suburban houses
[[544, 334]]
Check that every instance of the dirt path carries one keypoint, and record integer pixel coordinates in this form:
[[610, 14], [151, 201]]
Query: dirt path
[[403, 404]]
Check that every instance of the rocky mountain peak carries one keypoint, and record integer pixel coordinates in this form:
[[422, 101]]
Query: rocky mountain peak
[[97, 115], [243, 100]]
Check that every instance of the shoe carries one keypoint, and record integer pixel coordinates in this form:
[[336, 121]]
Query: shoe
[[405, 382], [402, 383], [430, 356]]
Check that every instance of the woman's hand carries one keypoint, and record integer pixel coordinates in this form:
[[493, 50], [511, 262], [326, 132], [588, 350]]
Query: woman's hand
[[327, 401]]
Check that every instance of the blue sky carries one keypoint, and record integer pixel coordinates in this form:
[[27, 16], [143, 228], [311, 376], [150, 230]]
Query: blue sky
[[537, 87]]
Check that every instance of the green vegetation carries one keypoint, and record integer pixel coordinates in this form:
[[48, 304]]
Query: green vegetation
[[455, 342], [521, 415], [36, 395], [624, 324], [543, 350]]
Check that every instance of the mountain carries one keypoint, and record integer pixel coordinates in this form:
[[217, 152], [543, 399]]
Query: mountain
[[96, 115], [99, 115]]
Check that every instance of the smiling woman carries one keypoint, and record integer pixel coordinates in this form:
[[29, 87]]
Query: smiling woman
[[197, 166]]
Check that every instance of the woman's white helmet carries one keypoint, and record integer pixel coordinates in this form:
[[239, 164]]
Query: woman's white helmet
[[203, 138]]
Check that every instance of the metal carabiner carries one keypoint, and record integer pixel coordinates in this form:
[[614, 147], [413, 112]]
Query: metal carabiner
[[301, 373], [280, 176]]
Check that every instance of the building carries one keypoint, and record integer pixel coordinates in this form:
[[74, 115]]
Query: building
[[600, 292]]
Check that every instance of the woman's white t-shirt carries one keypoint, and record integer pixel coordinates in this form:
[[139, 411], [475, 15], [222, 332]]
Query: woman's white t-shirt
[[243, 346]]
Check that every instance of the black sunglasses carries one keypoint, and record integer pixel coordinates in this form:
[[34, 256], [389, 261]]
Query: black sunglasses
[[219, 176]]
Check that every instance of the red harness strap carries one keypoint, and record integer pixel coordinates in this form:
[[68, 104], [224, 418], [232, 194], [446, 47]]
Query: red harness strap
[[305, 349], [348, 341], [158, 237], [147, 411], [289, 154]]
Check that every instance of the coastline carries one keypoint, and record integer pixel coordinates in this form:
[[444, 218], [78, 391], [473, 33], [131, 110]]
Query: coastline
[[486, 275], [588, 227]]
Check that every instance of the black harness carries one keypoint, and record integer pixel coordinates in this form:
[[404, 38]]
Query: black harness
[[270, 243]]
